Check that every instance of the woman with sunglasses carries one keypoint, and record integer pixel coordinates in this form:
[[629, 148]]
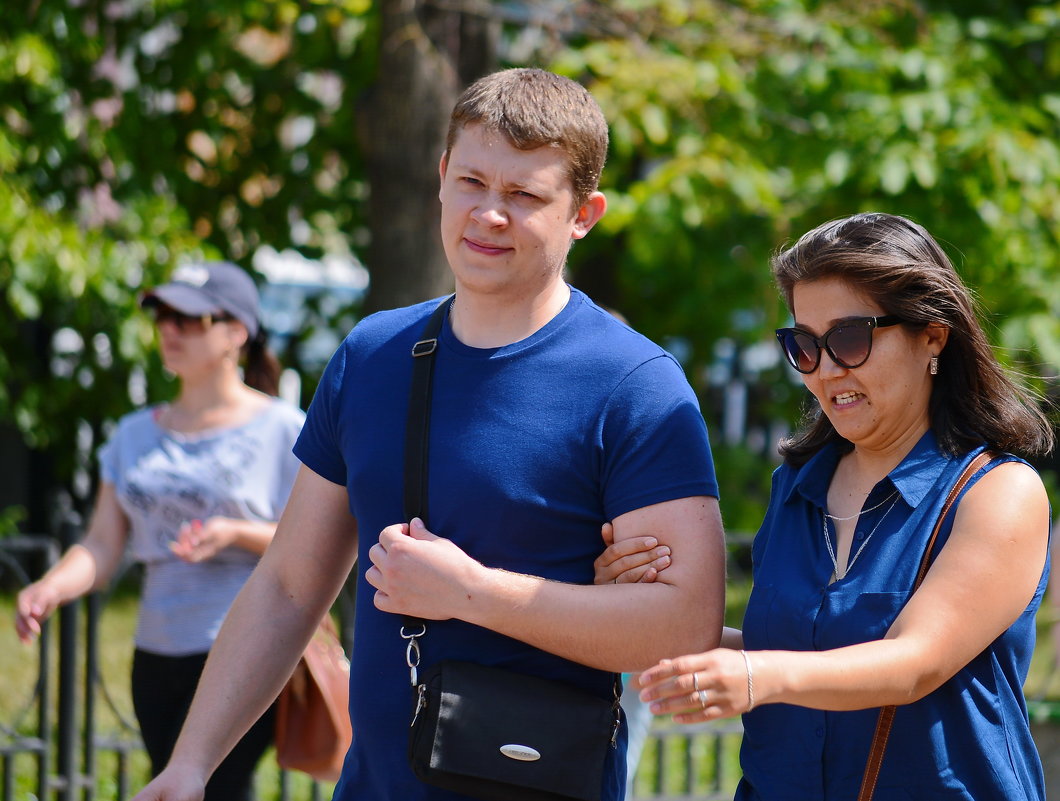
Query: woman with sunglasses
[[906, 392], [193, 489]]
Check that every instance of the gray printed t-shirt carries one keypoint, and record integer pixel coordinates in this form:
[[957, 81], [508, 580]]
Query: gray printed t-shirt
[[164, 479]]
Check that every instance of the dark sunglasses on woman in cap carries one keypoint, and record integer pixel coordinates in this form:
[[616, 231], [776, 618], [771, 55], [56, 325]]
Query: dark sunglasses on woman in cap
[[185, 323], [849, 343]]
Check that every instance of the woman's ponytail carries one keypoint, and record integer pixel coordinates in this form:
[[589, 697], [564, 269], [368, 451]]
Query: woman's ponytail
[[261, 370]]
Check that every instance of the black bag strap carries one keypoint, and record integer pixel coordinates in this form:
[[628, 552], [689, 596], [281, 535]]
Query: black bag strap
[[886, 718], [418, 424], [417, 431]]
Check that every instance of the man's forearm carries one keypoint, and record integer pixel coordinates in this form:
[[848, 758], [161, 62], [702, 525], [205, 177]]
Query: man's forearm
[[244, 672], [618, 627], [622, 627], [271, 620]]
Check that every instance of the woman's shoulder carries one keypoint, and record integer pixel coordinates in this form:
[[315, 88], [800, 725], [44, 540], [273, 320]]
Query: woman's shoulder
[[138, 420], [286, 411], [133, 432], [282, 415], [1011, 478], [1007, 501]]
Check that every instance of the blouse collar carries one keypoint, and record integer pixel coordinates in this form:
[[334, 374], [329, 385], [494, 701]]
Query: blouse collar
[[913, 477]]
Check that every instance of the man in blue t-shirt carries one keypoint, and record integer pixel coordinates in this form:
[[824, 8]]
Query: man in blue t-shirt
[[548, 418]]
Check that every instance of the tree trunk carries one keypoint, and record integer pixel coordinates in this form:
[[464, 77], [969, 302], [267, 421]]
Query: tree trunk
[[426, 57]]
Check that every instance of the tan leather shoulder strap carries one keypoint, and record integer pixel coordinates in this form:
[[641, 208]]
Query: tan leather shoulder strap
[[886, 718]]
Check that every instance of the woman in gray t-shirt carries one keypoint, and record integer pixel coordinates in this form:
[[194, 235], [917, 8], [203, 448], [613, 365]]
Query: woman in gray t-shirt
[[193, 489]]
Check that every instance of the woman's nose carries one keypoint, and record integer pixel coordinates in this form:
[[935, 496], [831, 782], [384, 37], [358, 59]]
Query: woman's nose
[[829, 367]]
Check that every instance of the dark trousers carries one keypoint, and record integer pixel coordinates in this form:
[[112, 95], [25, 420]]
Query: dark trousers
[[162, 689]]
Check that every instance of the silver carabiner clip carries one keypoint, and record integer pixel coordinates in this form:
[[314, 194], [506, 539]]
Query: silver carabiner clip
[[412, 659], [412, 651]]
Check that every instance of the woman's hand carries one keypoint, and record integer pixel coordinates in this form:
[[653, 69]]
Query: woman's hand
[[198, 541], [638, 559], [699, 687], [34, 605]]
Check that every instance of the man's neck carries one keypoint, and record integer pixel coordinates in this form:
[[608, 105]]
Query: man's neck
[[493, 322]]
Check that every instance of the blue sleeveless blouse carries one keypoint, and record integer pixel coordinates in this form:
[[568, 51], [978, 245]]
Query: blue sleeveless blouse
[[969, 739]]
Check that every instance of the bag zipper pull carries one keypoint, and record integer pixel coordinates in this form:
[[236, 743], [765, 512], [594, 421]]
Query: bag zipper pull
[[421, 702]]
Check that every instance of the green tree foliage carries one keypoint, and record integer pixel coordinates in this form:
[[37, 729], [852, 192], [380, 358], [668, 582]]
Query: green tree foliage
[[738, 126], [133, 135]]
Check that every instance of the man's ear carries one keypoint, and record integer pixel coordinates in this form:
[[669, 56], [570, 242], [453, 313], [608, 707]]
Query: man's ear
[[443, 165], [589, 214]]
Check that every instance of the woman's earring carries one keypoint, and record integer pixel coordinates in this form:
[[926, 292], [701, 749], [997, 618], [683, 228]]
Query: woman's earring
[[933, 365]]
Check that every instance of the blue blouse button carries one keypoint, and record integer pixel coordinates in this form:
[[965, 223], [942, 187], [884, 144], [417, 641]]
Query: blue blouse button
[[820, 731]]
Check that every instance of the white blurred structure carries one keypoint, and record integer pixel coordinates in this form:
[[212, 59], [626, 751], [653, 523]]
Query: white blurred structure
[[312, 300]]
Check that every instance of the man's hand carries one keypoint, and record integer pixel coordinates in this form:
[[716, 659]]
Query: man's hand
[[418, 573]]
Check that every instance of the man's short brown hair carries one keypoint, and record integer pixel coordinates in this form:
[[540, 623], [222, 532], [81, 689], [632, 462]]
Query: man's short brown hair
[[533, 108]]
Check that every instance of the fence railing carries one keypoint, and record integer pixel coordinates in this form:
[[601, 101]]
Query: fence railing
[[52, 748], [686, 762]]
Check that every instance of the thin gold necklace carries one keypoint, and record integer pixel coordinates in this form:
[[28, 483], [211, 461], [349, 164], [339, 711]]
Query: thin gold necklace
[[828, 539], [863, 511]]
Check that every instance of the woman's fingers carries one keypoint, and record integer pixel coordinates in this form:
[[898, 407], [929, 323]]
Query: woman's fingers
[[632, 560], [696, 687]]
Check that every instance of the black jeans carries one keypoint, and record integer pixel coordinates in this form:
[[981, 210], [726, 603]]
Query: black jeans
[[162, 689]]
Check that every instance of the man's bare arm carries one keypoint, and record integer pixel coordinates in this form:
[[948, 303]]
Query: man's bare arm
[[623, 627], [264, 634]]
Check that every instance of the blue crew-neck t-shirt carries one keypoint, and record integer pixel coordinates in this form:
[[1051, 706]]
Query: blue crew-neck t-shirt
[[969, 739], [532, 447]]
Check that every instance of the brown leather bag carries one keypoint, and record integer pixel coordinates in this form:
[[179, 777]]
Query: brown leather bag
[[313, 729]]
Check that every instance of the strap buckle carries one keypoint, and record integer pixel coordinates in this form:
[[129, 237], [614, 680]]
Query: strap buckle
[[425, 347]]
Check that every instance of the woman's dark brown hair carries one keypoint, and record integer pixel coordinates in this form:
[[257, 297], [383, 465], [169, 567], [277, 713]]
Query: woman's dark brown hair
[[898, 264], [261, 368]]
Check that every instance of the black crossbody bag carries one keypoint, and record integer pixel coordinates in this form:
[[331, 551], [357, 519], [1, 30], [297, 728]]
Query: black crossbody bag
[[481, 731]]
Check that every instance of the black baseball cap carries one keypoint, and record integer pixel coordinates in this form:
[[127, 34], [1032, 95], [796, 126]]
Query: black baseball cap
[[207, 287]]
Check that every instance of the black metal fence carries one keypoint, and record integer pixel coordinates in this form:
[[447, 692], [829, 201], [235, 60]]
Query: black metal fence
[[37, 702], [52, 748], [686, 762], [55, 725]]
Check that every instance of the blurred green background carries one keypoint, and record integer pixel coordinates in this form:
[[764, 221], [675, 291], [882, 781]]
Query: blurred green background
[[300, 139], [137, 135]]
